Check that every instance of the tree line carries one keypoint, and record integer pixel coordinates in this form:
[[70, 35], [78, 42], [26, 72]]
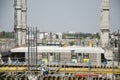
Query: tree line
[[80, 35], [5, 34]]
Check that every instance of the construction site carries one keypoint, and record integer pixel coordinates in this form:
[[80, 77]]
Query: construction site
[[57, 71], [27, 57]]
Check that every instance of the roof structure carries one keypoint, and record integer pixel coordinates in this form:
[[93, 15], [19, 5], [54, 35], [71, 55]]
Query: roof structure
[[57, 49]]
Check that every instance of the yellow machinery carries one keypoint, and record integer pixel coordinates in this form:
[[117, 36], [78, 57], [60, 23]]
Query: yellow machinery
[[91, 70], [62, 69], [97, 70], [12, 69]]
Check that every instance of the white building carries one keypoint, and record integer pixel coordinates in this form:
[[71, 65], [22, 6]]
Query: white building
[[76, 55]]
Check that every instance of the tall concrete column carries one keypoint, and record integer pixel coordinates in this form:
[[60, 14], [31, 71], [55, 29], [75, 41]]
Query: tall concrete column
[[24, 21], [104, 33], [17, 22], [20, 22]]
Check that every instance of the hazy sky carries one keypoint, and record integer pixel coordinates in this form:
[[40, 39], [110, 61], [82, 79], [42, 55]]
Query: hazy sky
[[61, 15]]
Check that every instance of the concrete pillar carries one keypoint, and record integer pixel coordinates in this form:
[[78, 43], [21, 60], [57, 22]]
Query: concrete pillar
[[20, 22], [24, 21], [104, 34], [51, 57], [18, 35], [99, 59], [17, 22]]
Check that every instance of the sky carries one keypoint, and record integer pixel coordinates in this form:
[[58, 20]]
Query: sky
[[61, 15]]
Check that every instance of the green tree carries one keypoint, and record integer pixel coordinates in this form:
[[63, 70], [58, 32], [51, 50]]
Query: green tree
[[4, 34], [71, 43]]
